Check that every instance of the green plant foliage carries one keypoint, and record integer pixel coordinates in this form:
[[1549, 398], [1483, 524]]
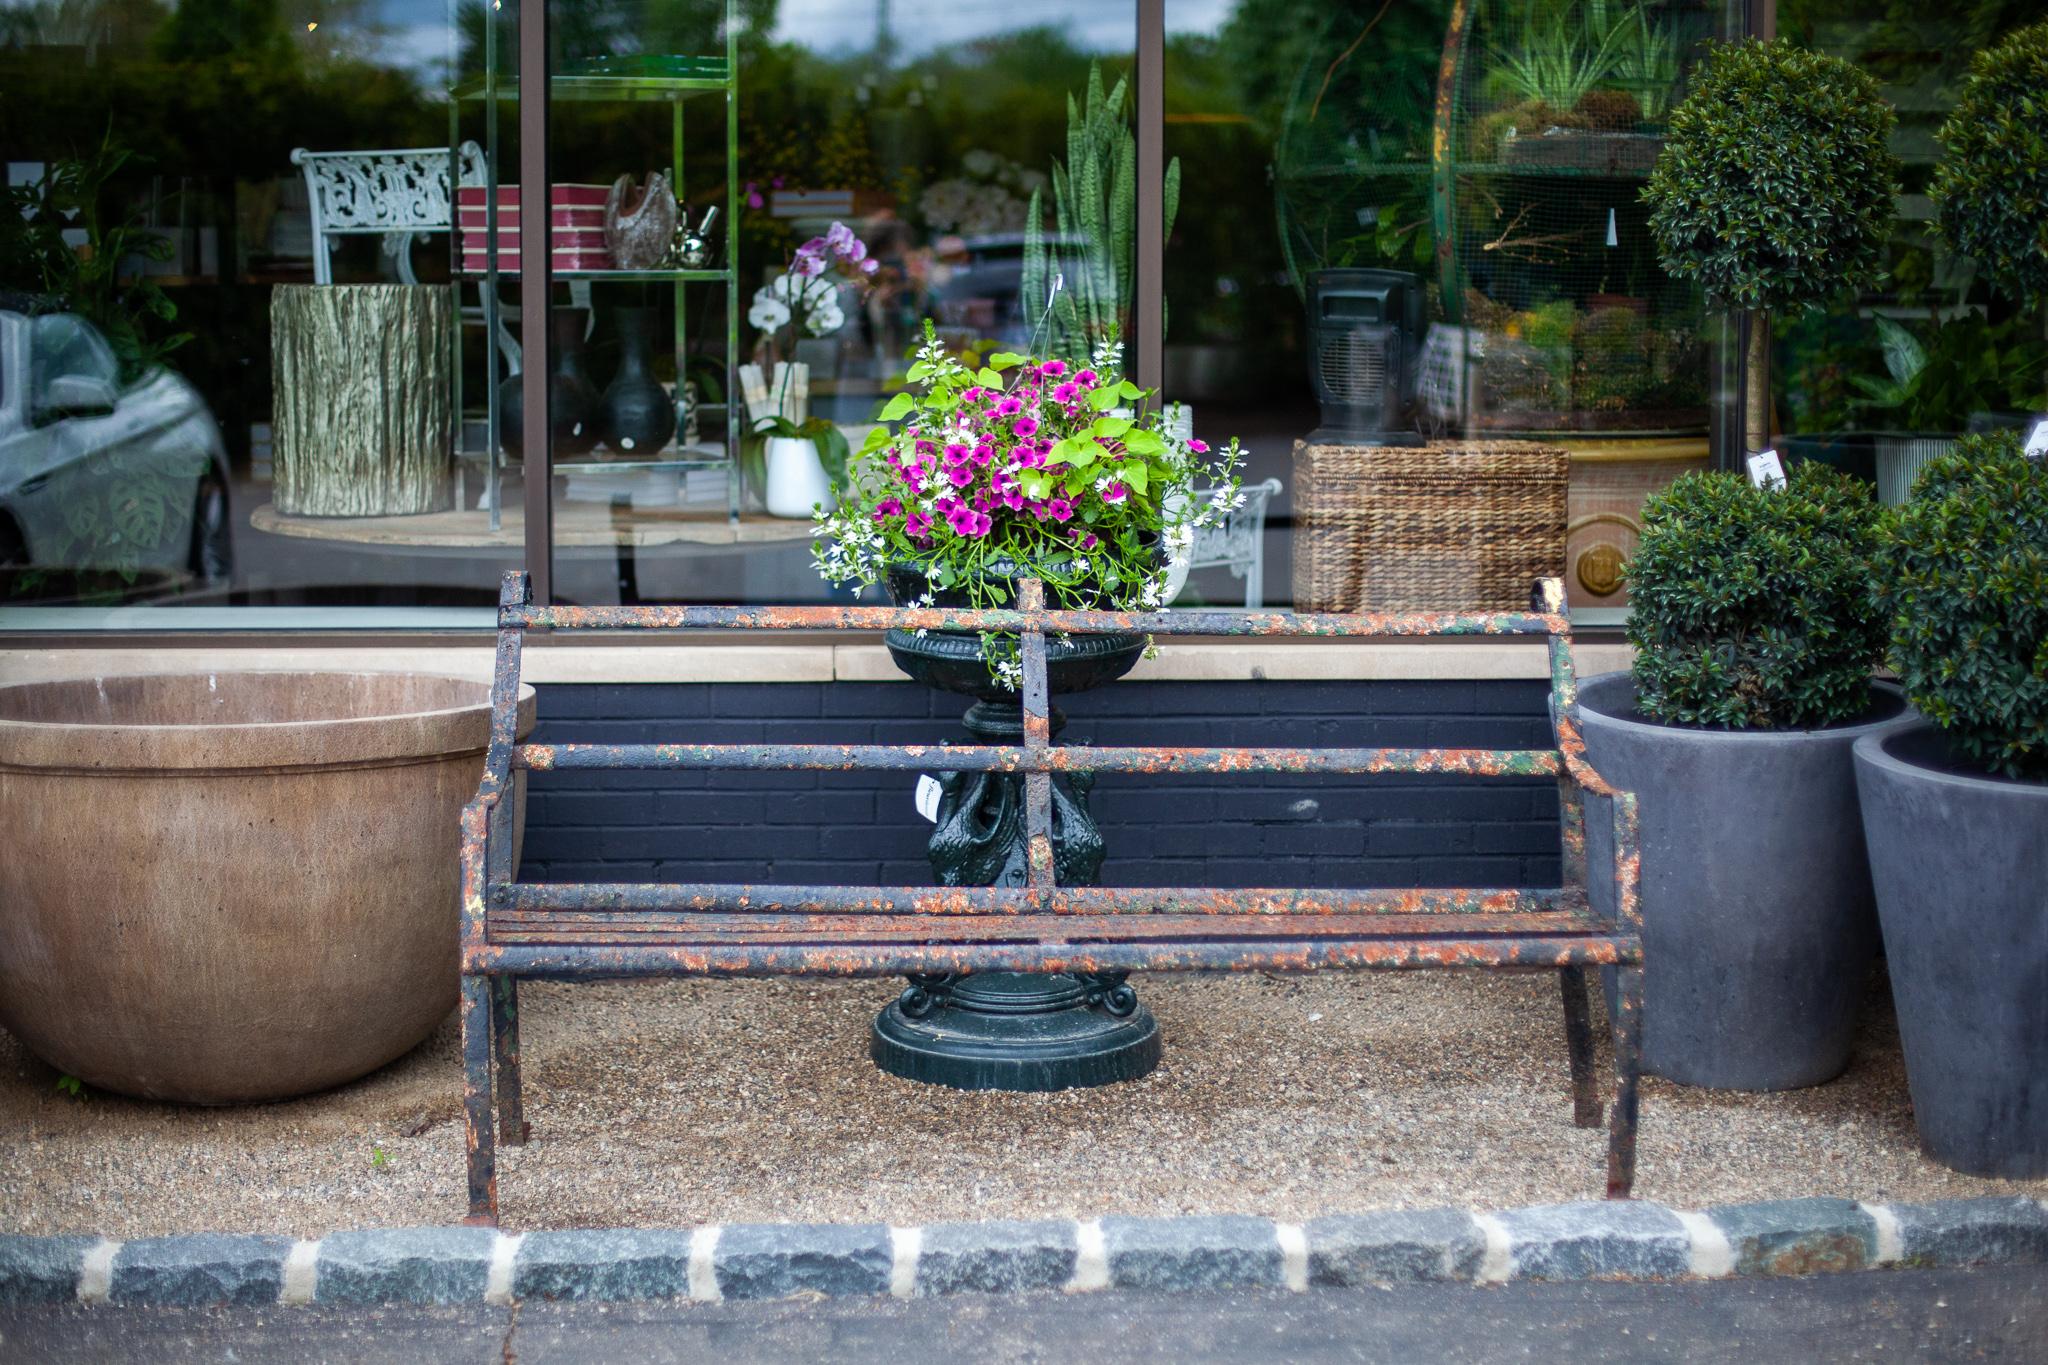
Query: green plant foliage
[[1775, 187], [100, 282], [1755, 609], [1965, 588], [1094, 216], [1561, 55], [1967, 365], [1991, 193]]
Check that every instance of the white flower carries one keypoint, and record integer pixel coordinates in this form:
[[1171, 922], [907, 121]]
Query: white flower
[[824, 319], [768, 312]]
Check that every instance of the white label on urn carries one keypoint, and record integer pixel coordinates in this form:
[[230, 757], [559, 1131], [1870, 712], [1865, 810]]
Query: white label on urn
[[1765, 471], [2037, 440], [928, 797]]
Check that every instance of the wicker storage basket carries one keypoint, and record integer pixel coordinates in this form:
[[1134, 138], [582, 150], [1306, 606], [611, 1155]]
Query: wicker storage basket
[[1451, 526]]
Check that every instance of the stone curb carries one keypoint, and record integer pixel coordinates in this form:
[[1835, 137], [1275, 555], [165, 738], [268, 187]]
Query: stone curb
[[1584, 1241]]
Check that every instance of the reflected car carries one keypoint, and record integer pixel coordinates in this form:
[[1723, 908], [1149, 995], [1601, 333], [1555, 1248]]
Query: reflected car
[[981, 290], [103, 480]]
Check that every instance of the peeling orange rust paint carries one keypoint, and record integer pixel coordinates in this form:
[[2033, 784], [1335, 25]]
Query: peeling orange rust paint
[[1053, 759]]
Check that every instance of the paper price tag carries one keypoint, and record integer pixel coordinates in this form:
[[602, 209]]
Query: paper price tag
[[928, 797], [2037, 440], [1765, 470]]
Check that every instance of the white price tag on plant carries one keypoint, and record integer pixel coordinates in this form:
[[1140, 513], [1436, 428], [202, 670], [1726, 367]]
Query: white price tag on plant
[[2037, 441], [928, 797], [1766, 471]]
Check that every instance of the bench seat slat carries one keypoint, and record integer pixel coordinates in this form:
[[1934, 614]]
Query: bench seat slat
[[516, 926], [591, 897], [881, 959]]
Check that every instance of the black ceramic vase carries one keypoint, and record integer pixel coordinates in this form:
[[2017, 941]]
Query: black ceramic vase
[[636, 416], [572, 398]]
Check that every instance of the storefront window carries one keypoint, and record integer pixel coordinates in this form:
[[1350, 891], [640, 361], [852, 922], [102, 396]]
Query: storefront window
[[226, 329], [1423, 217], [292, 234], [927, 138], [1881, 382]]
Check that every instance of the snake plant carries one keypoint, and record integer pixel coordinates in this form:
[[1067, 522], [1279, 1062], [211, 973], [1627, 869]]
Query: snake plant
[[1077, 286]]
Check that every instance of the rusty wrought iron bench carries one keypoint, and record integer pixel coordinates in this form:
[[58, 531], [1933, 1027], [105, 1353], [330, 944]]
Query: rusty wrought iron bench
[[512, 929]]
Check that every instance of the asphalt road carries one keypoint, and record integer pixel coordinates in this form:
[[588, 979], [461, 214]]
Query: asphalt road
[[1945, 1315]]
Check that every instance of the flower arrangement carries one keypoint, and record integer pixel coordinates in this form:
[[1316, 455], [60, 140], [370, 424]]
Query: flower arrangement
[[805, 297], [1026, 466], [802, 301]]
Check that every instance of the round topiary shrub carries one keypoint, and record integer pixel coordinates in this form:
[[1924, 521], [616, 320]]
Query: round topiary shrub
[[1756, 609], [1992, 191], [1775, 188], [1965, 586]]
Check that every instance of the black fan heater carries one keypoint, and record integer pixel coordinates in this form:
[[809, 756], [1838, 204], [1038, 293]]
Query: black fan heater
[[1365, 345]]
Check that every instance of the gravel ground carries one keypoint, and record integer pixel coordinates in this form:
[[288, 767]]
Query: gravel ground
[[671, 1103]]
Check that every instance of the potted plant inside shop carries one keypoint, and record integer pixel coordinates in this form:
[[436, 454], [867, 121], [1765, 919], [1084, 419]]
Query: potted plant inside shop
[[1755, 632], [1955, 807], [1027, 467], [1988, 194], [1775, 190], [795, 460]]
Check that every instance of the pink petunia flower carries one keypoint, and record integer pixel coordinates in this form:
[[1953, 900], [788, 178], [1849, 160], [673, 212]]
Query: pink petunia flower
[[960, 474], [918, 526], [1199, 447], [1089, 541], [1087, 379], [1010, 406], [1066, 393], [983, 453], [1115, 493], [888, 507], [1025, 427], [1059, 509], [1053, 369]]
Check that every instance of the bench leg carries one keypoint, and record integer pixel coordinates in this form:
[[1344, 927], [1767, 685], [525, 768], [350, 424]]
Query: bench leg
[[1628, 1057], [476, 1100], [1578, 1040], [512, 1126]]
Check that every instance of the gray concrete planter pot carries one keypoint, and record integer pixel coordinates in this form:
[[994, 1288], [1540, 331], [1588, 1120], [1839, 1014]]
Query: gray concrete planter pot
[[1960, 863], [1758, 923]]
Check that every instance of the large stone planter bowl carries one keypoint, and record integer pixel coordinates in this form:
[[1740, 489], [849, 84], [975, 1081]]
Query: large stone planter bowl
[[1758, 923], [221, 887], [1960, 862]]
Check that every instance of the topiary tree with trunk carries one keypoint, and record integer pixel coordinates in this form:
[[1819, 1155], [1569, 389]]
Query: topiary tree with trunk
[[1775, 189], [1991, 192]]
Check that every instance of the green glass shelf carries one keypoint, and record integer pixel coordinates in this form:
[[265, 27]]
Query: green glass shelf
[[643, 276], [599, 89]]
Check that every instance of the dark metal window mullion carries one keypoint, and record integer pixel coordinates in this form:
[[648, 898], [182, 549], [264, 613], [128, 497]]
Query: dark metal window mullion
[[1148, 294], [536, 286]]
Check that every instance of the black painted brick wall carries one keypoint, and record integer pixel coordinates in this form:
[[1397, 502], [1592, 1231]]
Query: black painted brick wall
[[861, 828]]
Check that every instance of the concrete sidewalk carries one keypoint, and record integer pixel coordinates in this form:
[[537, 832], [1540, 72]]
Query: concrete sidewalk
[[1987, 1314]]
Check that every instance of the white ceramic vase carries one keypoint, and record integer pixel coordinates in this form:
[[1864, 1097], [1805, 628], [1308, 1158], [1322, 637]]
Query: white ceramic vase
[[797, 483]]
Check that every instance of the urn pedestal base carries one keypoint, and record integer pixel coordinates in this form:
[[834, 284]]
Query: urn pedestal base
[[1017, 1031], [1013, 1030]]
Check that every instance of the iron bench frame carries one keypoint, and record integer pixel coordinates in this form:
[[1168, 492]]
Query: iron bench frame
[[513, 930]]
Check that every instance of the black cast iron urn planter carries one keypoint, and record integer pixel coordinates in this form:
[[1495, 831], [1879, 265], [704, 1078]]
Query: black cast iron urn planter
[[1011, 1030]]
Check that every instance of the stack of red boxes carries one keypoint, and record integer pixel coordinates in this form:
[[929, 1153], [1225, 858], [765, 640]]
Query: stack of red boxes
[[577, 227]]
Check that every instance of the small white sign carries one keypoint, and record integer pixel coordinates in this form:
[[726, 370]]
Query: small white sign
[[928, 797], [2037, 440], [1765, 471]]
